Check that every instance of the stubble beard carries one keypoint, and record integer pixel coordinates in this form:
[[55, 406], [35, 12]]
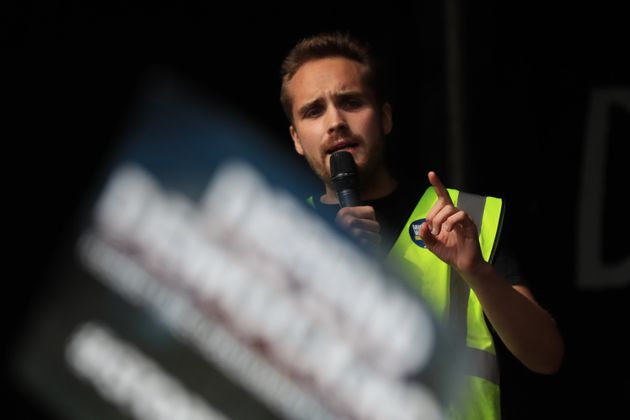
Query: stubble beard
[[366, 172]]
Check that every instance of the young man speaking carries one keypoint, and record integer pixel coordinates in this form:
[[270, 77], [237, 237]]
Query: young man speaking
[[444, 239]]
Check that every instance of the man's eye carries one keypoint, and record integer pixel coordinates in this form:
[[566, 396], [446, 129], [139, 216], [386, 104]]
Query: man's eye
[[312, 112], [352, 103]]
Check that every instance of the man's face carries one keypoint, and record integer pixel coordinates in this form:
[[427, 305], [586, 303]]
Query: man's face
[[334, 110]]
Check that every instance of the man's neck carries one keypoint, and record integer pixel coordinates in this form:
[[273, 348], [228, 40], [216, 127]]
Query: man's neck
[[380, 185]]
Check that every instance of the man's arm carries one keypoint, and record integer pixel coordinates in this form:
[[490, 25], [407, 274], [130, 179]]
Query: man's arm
[[527, 330]]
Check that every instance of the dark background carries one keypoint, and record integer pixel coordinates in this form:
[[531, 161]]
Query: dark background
[[75, 70]]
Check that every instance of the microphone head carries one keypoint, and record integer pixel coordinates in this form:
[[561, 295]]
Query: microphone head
[[343, 171], [342, 162]]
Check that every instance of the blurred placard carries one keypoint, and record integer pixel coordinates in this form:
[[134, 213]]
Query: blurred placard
[[201, 286]]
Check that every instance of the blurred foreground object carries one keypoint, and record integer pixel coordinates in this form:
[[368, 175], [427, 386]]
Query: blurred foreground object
[[201, 286]]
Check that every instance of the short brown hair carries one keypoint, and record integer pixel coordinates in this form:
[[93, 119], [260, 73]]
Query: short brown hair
[[329, 44]]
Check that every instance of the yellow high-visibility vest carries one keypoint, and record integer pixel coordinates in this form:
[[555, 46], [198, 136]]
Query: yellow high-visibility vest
[[451, 299], [453, 302]]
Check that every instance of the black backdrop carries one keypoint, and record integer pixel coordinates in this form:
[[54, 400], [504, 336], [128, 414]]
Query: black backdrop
[[530, 71]]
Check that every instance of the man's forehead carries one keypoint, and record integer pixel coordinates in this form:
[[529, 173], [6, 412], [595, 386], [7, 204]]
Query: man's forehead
[[327, 76]]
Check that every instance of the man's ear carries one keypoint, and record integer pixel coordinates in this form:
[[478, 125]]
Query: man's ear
[[296, 141], [386, 118]]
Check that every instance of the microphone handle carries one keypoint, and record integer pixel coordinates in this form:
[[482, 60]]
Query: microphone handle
[[348, 197]]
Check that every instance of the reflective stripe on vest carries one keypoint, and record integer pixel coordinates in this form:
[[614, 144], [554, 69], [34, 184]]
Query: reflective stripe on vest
[[452, 300]]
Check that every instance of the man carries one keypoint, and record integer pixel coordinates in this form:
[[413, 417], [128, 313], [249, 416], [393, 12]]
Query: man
[[331, 95]]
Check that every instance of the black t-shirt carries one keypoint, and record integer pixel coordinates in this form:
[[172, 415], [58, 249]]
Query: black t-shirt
[[393, 211]]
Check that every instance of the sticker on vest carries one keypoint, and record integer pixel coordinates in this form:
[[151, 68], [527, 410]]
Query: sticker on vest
[[414, 232]]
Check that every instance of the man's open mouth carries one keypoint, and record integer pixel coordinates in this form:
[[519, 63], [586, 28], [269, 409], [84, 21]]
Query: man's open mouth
[[347, 145]]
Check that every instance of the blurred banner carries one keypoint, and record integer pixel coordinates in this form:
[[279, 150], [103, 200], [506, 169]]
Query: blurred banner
[[201, 286]]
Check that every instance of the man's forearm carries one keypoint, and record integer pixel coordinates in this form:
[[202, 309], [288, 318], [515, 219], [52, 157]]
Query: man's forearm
[[527, 330]]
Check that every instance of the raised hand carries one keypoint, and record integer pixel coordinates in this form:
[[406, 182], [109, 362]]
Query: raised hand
[[449, 232]]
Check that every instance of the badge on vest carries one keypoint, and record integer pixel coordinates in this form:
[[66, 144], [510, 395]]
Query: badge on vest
[[414, 232]]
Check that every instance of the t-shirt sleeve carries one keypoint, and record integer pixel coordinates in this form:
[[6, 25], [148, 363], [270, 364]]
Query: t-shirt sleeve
[[506, 260], [508, 266]]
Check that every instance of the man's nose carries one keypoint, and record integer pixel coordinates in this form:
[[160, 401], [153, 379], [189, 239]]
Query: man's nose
[[336, 120]]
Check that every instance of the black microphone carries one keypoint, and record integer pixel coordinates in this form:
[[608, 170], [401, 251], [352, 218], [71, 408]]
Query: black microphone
[[344, 177]]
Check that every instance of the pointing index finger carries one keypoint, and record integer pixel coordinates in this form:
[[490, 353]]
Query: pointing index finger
[[439, 187]]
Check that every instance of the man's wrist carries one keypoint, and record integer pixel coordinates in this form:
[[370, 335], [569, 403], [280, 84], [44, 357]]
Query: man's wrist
[[477, 273]]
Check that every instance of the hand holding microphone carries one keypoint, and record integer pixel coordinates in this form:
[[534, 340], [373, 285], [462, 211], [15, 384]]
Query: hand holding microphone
[[359, 221]]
